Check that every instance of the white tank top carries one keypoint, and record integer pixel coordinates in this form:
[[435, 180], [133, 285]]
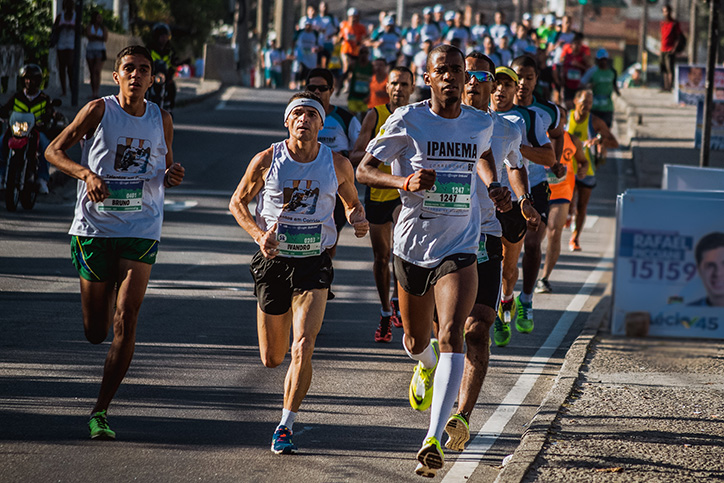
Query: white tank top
[[66, 37], [96, 44], [300, 198], [129, 153]]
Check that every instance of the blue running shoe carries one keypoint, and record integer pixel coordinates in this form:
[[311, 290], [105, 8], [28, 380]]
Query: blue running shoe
[[282, 441]]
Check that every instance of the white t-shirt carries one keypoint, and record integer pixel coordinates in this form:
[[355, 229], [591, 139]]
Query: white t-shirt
[[444, 220], [534, 135], [335, 135], [506, 151]]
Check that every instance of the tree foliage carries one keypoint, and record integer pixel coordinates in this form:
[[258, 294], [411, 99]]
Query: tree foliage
[[27, 23], [190, 21]]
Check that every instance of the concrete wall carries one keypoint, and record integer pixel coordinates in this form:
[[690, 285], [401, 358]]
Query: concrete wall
[[220, 64]]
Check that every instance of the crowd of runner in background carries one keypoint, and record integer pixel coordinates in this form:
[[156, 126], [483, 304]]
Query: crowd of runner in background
[[359, 53]]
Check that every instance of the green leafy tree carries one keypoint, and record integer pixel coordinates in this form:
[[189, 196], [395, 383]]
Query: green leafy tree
[[27, 23]]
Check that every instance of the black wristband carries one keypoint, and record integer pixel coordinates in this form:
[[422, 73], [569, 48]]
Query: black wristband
[[493, 185]]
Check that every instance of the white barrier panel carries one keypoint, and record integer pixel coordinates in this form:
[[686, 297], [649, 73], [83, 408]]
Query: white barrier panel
[[659, 235], [691, 178]]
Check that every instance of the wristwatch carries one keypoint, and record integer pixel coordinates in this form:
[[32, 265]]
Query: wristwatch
[[526, 196], [493, 185]]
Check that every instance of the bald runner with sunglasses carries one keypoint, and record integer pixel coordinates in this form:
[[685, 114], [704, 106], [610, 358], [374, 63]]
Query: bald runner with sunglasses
[[505, 145], [340, 131]]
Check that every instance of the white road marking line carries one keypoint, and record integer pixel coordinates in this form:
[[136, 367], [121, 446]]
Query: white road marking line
[[469, 459], [225, 97]]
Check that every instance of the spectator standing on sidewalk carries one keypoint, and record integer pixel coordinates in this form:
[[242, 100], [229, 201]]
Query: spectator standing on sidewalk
[[65, 25], [670, 37], [95, 51]]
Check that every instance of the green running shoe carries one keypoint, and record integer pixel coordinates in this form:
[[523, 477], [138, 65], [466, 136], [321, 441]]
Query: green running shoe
[[506, 311], [524, 318], [501, 332], [458, 432], [422, 381], [431, 458], [98, 426]]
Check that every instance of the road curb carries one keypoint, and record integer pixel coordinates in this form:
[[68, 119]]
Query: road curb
[[535, 437]]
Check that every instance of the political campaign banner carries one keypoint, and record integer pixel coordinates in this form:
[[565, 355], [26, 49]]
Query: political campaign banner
[[669, 262], [690, 84], [692, 178], [717, 125]]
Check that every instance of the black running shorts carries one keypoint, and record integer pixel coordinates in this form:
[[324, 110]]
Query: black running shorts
[[276, 279]]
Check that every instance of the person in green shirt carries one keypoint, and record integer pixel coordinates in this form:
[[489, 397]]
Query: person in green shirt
[[602, 80], [359, 90]]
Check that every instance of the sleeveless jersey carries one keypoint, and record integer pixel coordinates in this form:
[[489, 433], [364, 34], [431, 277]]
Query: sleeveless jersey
[[381, 194], [340, 131], [551, 116], [584, 131], [300, 198], [505, 145], [445, 219], [534, 135], [129, 153], [562, 188]]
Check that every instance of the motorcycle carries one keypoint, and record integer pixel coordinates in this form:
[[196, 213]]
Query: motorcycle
[[161, 79], [21, 179]]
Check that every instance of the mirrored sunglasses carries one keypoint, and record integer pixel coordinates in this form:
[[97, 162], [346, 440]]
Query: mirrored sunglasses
[[481, 75]]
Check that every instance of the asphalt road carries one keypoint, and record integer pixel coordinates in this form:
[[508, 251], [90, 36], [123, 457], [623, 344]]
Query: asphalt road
[[197, 404]]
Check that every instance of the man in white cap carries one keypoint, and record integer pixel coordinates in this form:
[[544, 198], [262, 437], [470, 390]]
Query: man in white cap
[[602, 79], [294, 183], [429, 30]]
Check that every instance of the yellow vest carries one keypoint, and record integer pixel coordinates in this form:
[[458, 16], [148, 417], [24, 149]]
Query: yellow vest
[[584, 131], [378, 194]]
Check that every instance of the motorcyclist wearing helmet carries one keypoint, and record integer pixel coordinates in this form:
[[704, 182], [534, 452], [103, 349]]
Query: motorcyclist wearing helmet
[[33, 100], [161, 49]]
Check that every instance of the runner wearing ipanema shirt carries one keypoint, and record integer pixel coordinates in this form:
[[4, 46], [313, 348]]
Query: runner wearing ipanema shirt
[[295, 183], [506, 150], [435, 148]]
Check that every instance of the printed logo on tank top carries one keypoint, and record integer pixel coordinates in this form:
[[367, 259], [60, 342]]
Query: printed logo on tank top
[[299, 237], [132, 155]]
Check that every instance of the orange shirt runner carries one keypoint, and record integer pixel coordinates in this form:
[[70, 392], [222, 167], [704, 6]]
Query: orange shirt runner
[[352, 36], [378, 92], [562, 188]]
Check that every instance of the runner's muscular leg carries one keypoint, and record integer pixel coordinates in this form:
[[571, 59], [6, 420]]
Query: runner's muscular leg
[[556, 221], [454, 298], [273, 333], [584, 194], [511, 253], [97, 302], [132, 282], [381, 238], [532, 257], [308, 313], [416, 313], [477, 356]]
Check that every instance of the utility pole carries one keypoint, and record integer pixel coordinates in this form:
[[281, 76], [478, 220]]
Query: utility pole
[[692, 47], [77, 66], [642, 37], [284, 26], [711, 51], [400, 12], [240, 41]]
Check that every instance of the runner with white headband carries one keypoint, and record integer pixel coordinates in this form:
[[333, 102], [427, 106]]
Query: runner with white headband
[[294, 183]]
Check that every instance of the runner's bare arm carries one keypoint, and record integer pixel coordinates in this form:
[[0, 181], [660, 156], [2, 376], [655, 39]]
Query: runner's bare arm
[[350, 199], [489, 174], [608, 140], [543, 155], [85, 124], [367, 173], [174, 171], [250, 185], [365, 135], [556, 136]]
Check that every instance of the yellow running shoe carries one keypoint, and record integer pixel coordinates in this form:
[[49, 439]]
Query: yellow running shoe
[[422, 381], [431, 458], [458, 432]]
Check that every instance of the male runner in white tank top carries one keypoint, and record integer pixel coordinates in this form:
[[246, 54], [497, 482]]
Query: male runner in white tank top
[[295, 183], [127, 163], [435, 148]]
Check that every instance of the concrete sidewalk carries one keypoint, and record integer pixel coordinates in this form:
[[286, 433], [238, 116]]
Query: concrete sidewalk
[[633, 409]]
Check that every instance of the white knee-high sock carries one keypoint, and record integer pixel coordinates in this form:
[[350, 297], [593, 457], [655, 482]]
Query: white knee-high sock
[[427, 356], [448, 375]]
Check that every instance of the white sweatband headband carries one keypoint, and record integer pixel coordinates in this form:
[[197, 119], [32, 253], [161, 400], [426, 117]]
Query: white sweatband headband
[[303, 101]]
